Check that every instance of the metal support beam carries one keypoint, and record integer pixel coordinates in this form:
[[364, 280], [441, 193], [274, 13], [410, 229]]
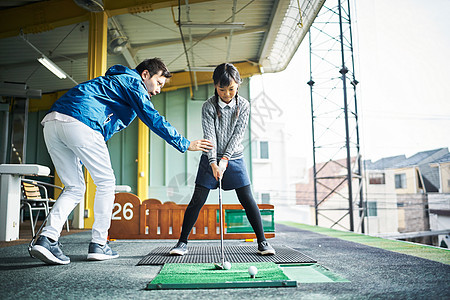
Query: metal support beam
[[344, 72], [98, 25], [182, 79], [143, 177], [48, 15]]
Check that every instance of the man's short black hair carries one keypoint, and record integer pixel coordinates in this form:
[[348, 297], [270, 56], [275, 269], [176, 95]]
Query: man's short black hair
[[153, 65]]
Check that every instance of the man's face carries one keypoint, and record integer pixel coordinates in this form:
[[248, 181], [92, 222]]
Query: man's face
[[155, 83]]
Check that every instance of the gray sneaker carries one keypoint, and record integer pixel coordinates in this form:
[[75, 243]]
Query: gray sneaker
[[99, 252], [265, 249], [179, 249], [49, 252]]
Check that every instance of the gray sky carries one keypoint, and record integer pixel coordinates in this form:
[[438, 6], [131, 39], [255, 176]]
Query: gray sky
[[402, 63]]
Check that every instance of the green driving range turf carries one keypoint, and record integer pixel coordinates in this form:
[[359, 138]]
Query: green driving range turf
[[192, 276]]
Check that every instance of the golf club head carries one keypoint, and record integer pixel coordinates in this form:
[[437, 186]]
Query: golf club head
[[218, 266], [33, 241], [29, 249]]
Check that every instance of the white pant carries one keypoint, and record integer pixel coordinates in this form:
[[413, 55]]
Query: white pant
[[70, 146]]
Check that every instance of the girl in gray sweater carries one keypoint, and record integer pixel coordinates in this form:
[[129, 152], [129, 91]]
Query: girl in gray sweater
[[224, 120]]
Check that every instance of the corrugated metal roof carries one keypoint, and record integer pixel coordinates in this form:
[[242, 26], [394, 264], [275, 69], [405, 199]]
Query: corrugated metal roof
[[272, 33]]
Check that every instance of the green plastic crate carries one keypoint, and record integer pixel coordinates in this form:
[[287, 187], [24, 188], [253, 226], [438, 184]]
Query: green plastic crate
[[237, 222]]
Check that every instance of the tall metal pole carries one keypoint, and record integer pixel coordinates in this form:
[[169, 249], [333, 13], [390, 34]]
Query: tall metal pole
[[344, 71], [358, 147], [311, 83]]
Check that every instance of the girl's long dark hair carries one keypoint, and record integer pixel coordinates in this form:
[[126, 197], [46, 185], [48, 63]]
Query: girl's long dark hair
[[223, 75]]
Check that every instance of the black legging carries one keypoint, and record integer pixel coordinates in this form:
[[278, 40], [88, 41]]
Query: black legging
[[199, 197]]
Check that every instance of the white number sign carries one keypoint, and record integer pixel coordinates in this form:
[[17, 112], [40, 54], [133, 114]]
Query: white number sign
[[127, 211]]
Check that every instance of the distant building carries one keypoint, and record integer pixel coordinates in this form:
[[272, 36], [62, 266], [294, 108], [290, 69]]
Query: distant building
[[407, 197], [414, 175], [443, 166], [439, 203], [380, 195], [332, 195], [414, 180]]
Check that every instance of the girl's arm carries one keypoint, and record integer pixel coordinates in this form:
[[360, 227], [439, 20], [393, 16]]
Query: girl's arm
[[209, 129], [239, 129], [209, 133]]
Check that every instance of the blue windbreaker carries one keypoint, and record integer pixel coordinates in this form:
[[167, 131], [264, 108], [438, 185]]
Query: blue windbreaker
[[109, 103]]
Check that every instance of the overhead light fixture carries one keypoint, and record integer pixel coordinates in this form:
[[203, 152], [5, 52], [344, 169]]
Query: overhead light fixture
[[52, 67], [91, 5], [235, 25], [117, 43], [201, 69]]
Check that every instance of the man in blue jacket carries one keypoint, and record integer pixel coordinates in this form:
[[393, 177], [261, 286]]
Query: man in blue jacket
[[76, 130]]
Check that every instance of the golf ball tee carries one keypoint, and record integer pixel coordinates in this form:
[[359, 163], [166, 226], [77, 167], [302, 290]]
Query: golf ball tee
[[252, 270]]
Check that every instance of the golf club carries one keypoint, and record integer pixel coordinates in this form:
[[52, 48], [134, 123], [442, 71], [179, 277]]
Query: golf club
[[33, 240], [220, 266]]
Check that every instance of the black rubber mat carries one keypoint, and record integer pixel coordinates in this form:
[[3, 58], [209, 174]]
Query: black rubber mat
[[233, 254]]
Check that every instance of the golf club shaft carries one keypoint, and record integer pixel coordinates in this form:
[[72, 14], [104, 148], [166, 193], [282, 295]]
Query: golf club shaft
[[221, 220], [34, 238]]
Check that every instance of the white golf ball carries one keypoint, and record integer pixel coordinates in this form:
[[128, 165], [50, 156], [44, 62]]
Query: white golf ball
[[227, 265], [252, 270]]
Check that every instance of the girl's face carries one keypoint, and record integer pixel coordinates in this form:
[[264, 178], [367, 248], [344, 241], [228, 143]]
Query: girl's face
[[227, 93]]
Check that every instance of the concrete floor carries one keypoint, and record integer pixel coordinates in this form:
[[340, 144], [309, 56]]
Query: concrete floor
[[373, 272]]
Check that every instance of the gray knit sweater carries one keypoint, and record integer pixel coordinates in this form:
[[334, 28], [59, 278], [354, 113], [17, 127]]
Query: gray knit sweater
[[226, 133]]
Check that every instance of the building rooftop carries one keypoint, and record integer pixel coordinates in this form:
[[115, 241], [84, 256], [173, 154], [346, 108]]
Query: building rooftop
[[374, 268], [423, 157], [443, 159], [384, 163]]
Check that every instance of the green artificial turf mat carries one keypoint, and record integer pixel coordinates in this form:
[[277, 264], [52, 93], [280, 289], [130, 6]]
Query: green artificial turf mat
[[192, 276], [311, 273], [423, 251]]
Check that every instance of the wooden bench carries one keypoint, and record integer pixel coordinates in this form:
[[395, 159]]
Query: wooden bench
[[151, 219]]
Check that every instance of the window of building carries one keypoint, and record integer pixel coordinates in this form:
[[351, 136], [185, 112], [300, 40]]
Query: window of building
[[265, 198], [377, 178], [372, 209], [400, 181], [264, 150], [260, 149]]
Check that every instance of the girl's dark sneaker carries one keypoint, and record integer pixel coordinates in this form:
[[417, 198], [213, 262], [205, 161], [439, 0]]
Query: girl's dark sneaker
[[265, 249], [179, 249]]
